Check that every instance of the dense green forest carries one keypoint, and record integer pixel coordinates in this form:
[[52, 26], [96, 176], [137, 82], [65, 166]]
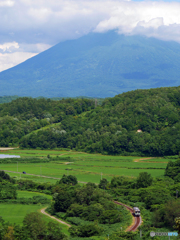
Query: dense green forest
[[108, 127]]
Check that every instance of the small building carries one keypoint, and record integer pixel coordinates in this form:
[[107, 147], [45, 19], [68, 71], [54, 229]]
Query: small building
[[139, 130]]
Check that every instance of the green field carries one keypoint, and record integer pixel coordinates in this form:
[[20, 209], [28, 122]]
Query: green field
[[26, 194], [15, 213], [86, 167]]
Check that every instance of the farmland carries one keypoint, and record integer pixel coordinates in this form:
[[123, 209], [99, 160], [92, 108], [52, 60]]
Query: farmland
[[15, 213], [50, 165], [86, 167]]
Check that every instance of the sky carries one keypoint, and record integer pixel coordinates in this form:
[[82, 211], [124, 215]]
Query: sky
[[28, 27]]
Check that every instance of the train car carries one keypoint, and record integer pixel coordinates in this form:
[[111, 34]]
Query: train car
[[136, 211]]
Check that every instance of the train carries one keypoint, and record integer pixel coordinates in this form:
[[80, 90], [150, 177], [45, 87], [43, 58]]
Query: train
[[136, 211]]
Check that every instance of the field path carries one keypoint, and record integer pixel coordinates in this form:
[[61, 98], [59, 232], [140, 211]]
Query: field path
[[43, 211], [136, 220], [133, 227], [6, 149], [141, 159], [37, 175]]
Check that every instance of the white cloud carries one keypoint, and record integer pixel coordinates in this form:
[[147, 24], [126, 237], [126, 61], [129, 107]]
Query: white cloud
[[129, 17], [31, 26], [13, 53], [6, 3], [52, 21], [8, 60], [9, 46]]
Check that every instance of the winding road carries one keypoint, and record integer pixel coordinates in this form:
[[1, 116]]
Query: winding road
[[136, 220], [43, 211]]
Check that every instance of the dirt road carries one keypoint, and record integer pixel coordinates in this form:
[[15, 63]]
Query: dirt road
[[136, 220], [38, 175], [6, 149], [43, 211]]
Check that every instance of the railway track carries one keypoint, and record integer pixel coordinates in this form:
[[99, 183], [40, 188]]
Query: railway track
[[137, 220], [133, 227]]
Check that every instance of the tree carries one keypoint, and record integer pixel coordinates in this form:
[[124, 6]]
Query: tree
[[103, 183], [35, 225], [62, 201], [172, 169], [70, 179], [144, 180], [167, 214], [9, 234], [87, 230], [177, 222], [54, 232]]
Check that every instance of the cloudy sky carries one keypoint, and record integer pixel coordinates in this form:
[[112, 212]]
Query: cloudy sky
[[28, 27]]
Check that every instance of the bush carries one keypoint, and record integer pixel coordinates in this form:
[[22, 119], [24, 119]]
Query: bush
[[86, 230], [71, 180]]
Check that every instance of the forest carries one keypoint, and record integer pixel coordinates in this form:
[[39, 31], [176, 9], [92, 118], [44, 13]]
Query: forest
[[141, 123]]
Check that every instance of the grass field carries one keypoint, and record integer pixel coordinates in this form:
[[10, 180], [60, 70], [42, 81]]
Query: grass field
[[26, 194], [86, 167], [15, 213]]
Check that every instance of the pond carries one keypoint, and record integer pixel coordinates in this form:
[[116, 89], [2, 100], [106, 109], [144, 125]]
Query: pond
[[8, 156]]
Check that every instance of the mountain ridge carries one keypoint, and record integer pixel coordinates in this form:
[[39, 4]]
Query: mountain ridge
[[95, 65]]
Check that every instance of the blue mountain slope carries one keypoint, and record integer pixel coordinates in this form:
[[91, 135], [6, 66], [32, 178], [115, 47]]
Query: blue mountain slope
[[95, 65]]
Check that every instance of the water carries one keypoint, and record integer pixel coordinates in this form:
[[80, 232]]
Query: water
[[8, 156]]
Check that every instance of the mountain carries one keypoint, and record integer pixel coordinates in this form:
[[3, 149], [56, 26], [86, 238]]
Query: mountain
[[95, 65]]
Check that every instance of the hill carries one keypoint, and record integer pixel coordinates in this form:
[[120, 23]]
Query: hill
[[110, 127], [95, 65], [6, 99]]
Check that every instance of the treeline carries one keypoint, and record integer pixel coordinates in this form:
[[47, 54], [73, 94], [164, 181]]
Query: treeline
[[141, 122], [35, 160], [6, 99]]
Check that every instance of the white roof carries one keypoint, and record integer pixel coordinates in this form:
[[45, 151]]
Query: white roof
[[136, 208]]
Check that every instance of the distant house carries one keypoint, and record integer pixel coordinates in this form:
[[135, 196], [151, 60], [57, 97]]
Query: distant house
[[139, 130]]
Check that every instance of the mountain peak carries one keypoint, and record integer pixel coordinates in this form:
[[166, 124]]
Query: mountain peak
[[95, 65]]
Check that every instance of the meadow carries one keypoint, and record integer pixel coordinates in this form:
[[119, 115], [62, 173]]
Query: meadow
[[27, 194], [15, 213], [86, 167]]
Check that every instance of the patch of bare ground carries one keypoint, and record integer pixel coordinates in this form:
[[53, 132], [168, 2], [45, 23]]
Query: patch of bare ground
[[6, 148], [141, 159]]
